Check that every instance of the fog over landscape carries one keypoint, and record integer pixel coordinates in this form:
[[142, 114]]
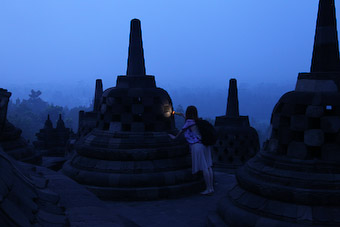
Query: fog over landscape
[[192, 47]]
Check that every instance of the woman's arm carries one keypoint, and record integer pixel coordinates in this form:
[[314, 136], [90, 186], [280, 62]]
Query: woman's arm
[[179, 114], [178, 134]]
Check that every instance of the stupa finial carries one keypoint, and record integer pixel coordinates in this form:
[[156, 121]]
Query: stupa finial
[[136, 64], [48, 123], [232, 105], [98, 94], [326, 46]]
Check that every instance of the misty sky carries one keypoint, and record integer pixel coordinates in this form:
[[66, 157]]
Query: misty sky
[[187, 44]]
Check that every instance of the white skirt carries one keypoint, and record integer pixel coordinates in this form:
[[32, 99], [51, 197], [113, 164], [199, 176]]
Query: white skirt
[[201, 157]]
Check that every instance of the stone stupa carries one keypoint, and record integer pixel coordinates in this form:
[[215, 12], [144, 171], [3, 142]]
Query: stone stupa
[[87, 120], [295, 180], [129, 155], [237, 142], [10, 136], [53, 141]]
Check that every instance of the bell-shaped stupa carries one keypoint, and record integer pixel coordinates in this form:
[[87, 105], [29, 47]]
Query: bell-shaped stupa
[[10, 136], [129, 154], [237, 142], [295, 180]]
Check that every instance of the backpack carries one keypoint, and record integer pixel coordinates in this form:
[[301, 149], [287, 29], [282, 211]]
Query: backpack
[[207, 131]]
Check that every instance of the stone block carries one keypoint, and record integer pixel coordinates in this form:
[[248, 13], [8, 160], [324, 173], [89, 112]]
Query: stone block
[[137, 109], [115, 126], [330, 124], [331, 152], [288, 109], [314, 137], [314, 111], [126, 118], [284, 135], [13, 211], [297, 150], [298, 123], [304, 213], [51, 219], [320, 214], [137, 127]]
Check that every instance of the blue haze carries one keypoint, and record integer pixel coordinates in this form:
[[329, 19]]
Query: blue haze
[[192, 47]]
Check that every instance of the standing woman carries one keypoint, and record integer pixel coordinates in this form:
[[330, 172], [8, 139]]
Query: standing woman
[[200, 154]]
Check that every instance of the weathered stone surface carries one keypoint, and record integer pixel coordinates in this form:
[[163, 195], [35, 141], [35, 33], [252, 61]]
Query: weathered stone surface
[[314, 111], [23, 201], [297, 150], [314, 137], [298, 123], [331, 152], [330, 124]]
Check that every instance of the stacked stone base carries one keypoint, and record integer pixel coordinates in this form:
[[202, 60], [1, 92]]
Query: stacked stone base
[[133, 166], [25, 199], [275, 191], [234, 146], [16, 146]]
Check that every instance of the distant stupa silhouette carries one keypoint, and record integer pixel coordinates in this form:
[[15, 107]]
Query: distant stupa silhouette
[[87, 120], [10, 136], [295, 180], [237, 142], [129, 155]]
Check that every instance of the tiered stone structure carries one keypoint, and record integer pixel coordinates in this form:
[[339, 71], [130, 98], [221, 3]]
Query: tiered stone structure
[[129, 155], [87, 120], [10, 136], [24, 198], [53, 140], [53, 143], [295, 180], [237, 142]]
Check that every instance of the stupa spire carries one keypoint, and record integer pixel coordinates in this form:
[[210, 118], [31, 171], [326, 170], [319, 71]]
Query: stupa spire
[[326, 46], [136, 64], [232, 105], [48, 123], [98, 94], [60, 122]]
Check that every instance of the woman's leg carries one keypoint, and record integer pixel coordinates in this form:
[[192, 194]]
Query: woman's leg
[[211, 175], [206, 177]]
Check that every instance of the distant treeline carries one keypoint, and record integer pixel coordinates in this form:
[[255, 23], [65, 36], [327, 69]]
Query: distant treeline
[[30, 114]]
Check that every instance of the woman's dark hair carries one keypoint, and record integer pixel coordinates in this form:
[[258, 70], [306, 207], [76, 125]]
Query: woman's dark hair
[[191, 113]]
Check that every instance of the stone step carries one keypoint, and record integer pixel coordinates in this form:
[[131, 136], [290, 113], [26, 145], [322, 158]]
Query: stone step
[[146, 193]]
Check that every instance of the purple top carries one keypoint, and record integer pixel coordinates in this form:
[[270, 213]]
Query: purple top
[[190, 135]]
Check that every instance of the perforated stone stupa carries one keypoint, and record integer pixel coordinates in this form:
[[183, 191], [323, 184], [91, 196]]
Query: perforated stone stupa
[[237, 141], [10, 136], [295, 180], [53, 140], [129, 154]]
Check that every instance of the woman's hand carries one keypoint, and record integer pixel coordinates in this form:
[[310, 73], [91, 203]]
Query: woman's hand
[[181, 114], [172, 136]]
